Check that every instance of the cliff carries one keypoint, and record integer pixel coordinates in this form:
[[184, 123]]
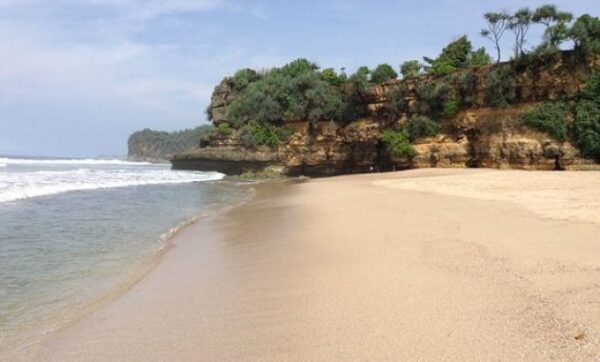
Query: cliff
[[157, 146], [479, 113]]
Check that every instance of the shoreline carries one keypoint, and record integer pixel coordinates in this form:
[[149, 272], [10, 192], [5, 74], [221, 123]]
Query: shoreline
[[309, 273], [40, 334]]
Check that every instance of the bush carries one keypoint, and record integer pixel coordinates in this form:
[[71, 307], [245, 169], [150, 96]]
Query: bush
[[330, 76], [550, 117], [421, 127], [430, 97], [411, 69], [224, 129], [256, 133], [466, 88], [395, 102], [297, 91], [398, 144], [586, 128], [441, 68], [479, 57], [243, 77], [586, 34], [451, 107], [382, 73], [500, 87]]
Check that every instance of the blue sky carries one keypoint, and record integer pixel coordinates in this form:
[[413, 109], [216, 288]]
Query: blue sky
[[78, 76]]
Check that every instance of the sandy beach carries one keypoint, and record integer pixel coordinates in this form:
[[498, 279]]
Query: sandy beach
[[422, 265]]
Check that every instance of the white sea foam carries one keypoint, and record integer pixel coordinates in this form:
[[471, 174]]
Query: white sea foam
[[73, 162], [41, 182]]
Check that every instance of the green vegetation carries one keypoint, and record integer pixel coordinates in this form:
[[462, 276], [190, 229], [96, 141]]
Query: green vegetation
[[395, 103], [456, 55], [585, 33], [497, 24], [550, 117], [500, 87], [584, 130], [224, 129], [430, 97], [411, 69], [243, 78], [256, 133], [398, 143], [263, 102], [451, 108], [466, 84], [382, 73], [421, 127], [296, 91], [155, 145], [586, 126]]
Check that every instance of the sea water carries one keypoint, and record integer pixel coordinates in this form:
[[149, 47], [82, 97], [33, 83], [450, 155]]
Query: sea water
[[75, 230]]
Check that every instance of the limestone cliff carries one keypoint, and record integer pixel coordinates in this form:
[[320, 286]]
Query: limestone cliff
[[477, 135]]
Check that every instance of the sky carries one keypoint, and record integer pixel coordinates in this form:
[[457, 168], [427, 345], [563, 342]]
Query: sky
[[78, 76]]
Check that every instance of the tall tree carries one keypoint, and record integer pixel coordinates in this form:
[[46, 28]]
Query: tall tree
[[555, 22], [519, 24], [497, 25]]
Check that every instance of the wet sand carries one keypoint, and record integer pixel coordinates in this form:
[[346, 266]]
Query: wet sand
[[417, 265]]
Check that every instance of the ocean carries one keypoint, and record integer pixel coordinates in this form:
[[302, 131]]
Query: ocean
[[74, 231]]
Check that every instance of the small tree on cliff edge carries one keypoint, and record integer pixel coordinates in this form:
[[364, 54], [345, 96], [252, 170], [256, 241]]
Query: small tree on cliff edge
[[519, 24], [497, 25], [382, 73]]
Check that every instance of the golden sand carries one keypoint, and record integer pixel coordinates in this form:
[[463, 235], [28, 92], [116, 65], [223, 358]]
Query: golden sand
[[419, 265]]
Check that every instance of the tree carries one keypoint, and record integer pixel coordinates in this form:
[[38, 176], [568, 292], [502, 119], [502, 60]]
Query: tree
[[479, 57], [549, 15], [586, 34], [519, 24], [382, 73], [497, 25], [330, 76], [454, 56], [410, 69], [556, 25]]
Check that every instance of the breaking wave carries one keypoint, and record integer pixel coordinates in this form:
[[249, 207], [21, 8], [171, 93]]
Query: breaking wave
[[39, 180]]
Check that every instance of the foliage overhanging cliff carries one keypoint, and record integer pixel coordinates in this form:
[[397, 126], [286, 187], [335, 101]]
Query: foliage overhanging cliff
[[539, 111]]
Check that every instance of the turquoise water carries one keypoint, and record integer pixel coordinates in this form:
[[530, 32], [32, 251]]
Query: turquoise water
[[71, 233]]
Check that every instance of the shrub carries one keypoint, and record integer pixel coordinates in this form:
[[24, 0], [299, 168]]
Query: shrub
[[395, 102], [478, 58], [421, 126], [410, 69], [466, 85], [398, 144], [441, 67], [550, 117], [243, 77], [451, 107], [330, 76], [586, 128], [382, 73], [294, 92], [586, 34], [256, 133], [430, 97], [500, 87], [224, 129]]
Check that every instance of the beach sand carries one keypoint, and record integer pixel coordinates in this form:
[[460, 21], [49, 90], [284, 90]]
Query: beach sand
[[422, 265]]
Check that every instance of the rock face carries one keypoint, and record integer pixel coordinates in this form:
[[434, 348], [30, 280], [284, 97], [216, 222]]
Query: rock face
[[478, 136]]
